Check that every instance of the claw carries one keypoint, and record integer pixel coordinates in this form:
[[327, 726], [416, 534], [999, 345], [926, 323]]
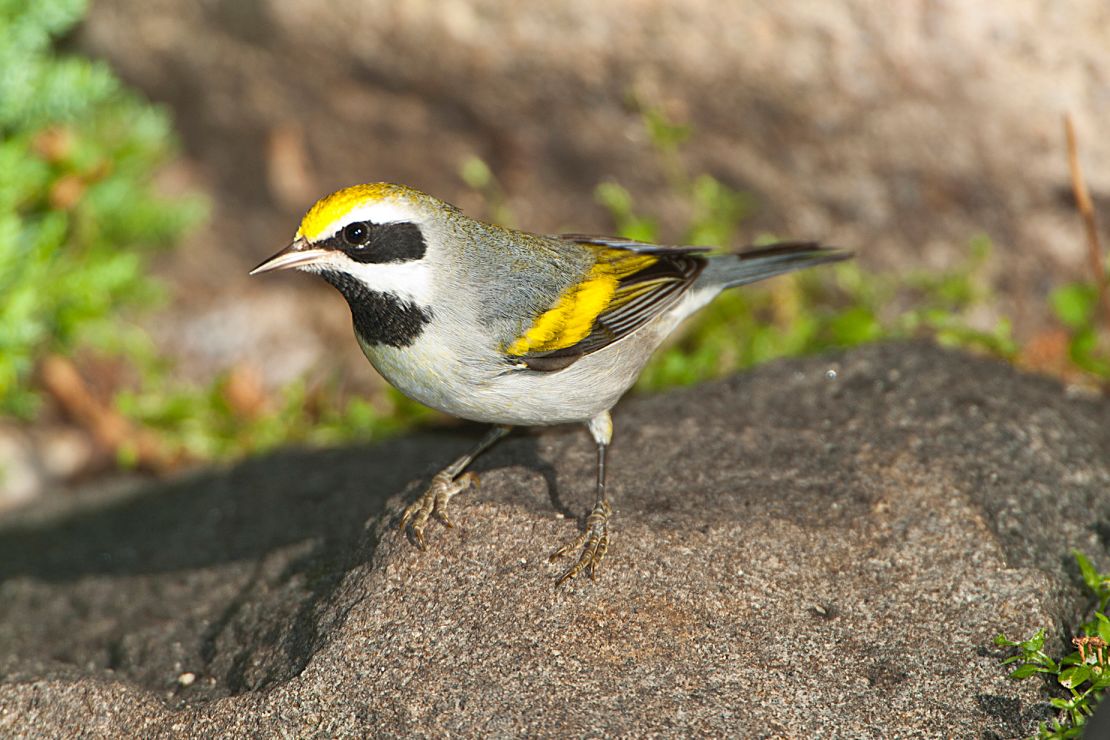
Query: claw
[[594, 541], [433, 502]]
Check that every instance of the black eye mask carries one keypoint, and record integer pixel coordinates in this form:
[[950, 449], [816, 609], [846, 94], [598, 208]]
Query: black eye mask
[[371, 243]]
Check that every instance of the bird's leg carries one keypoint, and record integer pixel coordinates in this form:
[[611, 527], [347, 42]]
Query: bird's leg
[[594, 539], [446, 484]]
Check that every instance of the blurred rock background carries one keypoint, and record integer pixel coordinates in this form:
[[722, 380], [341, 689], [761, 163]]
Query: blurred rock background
[[903, 130]]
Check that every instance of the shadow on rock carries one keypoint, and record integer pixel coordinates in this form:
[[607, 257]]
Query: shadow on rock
[[243, 512], [236, 570]]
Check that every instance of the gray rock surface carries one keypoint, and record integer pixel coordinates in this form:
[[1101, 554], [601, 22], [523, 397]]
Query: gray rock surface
[[795, 555]]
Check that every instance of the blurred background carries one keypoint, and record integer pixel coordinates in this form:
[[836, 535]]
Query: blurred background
[[154, 151]]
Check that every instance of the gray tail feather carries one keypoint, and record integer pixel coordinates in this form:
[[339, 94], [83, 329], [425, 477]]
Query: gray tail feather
[[775, 259]]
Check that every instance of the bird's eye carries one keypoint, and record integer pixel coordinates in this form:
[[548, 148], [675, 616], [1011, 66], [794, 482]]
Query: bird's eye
[[356, 234]]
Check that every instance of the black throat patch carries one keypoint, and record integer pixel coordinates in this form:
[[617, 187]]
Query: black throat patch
[[379, 318]]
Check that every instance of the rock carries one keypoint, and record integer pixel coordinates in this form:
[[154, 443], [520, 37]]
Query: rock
[[797, 551], [34, 459], [905, 129]]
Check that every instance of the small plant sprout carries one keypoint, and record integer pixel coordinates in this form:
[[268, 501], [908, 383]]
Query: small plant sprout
[[1082, 677]]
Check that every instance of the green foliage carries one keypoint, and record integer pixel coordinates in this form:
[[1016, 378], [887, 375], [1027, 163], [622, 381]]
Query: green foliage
[[666, 135], [204, 422], [479, 178], [805, 312], [1084, 675], [77, 210], [619, 203], [1076, 305], [78, 217]]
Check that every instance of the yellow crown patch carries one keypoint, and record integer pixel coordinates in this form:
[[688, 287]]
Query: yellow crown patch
[[334, 206]]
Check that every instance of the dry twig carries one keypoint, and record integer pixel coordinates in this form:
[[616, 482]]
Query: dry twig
[[1087, 213], [60, 378]]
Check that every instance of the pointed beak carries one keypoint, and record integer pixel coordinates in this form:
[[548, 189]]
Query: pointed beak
[[297, 254]]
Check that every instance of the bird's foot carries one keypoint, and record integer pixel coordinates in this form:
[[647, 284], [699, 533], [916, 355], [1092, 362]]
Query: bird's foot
[[433, 502], [593, 541]]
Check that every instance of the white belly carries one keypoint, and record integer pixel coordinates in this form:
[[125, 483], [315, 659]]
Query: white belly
[[492, 391], [484, 388]]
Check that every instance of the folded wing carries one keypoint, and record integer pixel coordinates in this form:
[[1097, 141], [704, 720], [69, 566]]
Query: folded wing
[[630, 284]]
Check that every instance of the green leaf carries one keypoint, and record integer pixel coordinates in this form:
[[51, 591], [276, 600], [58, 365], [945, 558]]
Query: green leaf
[[1103, 627], [1074, 304], [475, 172], [1026, 671], [1072, 677], [1090, 575], [1035, 643], [1071, 659], [618, 202], [1084, 351], [664, 134]]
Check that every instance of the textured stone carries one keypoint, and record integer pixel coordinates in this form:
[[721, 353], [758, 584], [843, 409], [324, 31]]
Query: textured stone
[[795, 554]]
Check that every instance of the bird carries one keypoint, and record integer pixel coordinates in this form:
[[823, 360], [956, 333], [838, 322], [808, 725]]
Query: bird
[[508, 327]]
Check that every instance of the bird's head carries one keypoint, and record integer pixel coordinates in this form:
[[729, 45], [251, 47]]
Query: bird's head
[[374, 244], [376, 234]]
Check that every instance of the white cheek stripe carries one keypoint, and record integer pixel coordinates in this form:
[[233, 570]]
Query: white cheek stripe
[[407, 280], [381, 212], [411, 281]]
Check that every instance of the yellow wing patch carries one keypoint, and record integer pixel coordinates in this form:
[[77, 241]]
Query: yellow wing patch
[[334, 206], [572, 318]]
